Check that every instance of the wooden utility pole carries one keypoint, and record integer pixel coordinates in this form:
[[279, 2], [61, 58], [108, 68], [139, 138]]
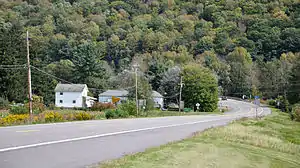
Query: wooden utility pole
[[181, 85], [136, 89], [29, 78]]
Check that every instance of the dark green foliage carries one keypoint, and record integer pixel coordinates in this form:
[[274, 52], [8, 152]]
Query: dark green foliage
[[200, 87], [116, 113], [4, 103], [110, 114], [121, 113], [294, 93], [129, 107], [18, 110], [89, 41], [272, 103]]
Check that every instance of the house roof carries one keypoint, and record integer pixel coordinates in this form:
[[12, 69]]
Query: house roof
[[70, 87], [156, 94], [124, 93], [117, 93]]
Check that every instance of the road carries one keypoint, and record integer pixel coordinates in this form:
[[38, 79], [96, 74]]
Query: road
[[79, 144]]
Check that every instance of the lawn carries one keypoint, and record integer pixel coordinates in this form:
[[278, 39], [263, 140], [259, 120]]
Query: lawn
[[175, 113], [271, 142]]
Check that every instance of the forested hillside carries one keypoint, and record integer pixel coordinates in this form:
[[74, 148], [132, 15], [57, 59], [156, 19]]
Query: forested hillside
[[252, 46]]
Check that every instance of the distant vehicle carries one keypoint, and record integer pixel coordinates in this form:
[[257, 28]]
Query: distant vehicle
[[173, 107], [224, 98]]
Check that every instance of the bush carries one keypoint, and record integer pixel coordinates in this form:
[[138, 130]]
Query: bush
[[83, 116], [272, 103], [98, 106], [53, 107], [121, 113], [14, 119], [3, 103], [37, 107], [296, 113], [53, 117], [18, 110], [110, 114], [129, 107], [99, 115], [116, 113]]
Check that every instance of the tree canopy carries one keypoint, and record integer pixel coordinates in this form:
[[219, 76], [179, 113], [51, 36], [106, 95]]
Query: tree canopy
[[243, 43]]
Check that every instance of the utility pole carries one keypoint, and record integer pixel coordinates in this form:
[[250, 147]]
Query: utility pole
[[29, 78], [181, 85], [136, 89]]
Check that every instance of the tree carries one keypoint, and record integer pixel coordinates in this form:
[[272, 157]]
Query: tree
[[88, 65], [293, 91], [12, 52], [169, 84], [200, 87], [240, 64]]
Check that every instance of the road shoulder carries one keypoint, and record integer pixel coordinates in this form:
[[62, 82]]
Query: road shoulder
[[268, 142]]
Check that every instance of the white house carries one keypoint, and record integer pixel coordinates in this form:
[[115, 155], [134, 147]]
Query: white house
[[72, 95], [158, 99], [106, 97]]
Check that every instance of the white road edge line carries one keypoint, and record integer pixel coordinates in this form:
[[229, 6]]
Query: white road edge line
[[102, 135]]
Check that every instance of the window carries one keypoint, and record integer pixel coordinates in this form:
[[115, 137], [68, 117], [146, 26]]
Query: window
[[61, 93], [74, 101], [61, 101]]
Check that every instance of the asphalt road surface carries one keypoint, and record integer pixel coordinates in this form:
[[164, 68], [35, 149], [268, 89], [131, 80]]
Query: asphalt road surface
[[79, 144]]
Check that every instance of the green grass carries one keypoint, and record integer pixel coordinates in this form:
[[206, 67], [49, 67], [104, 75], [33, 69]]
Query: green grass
[[174, 113], [270, 142]]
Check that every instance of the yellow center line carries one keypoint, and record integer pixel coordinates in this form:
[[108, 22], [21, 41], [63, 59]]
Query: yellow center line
[[28, 131]]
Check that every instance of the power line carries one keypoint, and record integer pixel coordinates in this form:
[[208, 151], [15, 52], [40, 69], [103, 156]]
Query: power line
[[63, 80], [24, 65], [51, 75], [4, 68]]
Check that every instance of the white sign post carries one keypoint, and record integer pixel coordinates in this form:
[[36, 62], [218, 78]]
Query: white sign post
[[198, 105], [257, 103]]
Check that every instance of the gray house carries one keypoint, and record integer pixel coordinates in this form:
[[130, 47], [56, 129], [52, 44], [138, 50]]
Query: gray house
[[106, 97]]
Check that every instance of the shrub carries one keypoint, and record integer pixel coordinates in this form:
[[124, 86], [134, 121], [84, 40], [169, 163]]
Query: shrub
[[296, 113], [129, 107], [272, 103], [53, 117], [99, 115], [69, 117], [53, 107], [98, 106], [37, 107], [3, 103], [110, 114], [83, 116], [116, 113], [121, 113], [18, 110], [14, 119]]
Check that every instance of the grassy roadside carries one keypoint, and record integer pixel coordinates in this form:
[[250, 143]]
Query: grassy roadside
[[69, 115], [271, 142]]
